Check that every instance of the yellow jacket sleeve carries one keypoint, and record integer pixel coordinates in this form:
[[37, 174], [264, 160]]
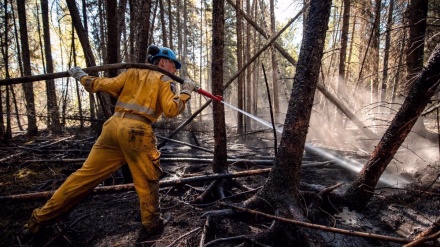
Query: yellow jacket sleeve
[[113, 86], [171, 103]]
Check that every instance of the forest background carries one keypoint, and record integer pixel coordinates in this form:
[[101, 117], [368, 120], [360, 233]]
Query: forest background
[[363, 64]]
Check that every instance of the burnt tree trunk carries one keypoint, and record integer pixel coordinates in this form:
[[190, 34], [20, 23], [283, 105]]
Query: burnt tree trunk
[[28, 88], [417, 14], [424, 87], [90, 59], [52, 105], [280, 191], [220, 152], [142, 33]]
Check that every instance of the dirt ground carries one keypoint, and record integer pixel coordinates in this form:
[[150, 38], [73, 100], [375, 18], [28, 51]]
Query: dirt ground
[[29, 165]]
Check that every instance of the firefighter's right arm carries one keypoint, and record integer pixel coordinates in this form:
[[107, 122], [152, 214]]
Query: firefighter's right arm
[[171, 103]]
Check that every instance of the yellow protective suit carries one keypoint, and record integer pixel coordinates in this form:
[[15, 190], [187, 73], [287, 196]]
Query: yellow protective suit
[[127, 137]]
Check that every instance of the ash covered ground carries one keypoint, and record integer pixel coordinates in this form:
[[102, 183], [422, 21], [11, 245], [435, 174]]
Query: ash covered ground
[[113, 219]]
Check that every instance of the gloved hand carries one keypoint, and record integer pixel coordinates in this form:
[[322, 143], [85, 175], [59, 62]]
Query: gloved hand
[[77, 73], [188, 86]]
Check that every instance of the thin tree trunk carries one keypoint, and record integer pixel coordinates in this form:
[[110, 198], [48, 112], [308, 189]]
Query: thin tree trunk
[[343, 56], [183, 55], [417, 11], [361, 190], [153, 24], [387, 52], [5, 131], [170, 19], [275, 91], [249, 85], [375, 53], [179, 27], [121, 30], [94, 125], [162, 21], [142, 33], [52, 105], [241, 81], [220, 151], [112, 35], [90, 59], [28, 88]]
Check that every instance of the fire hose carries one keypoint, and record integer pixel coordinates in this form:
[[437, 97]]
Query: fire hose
[[42, 77]]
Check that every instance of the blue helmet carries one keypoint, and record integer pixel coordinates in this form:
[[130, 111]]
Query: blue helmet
[[158, 52]]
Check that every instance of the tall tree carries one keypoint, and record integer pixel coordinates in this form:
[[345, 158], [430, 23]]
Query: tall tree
[[281, 188], [417, 13], [28, 88], [276, 103], [343, 55], [387, 51], [164, 24], [90, 58], [95, 125], [220, 152], [249, 85], [423, 88], [140, 17], [112, 35], [52, 105], [170, 19], [5, 131], [375, 50], [240, 84]]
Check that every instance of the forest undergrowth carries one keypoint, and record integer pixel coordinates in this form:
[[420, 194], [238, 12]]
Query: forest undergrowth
[[30, 165]]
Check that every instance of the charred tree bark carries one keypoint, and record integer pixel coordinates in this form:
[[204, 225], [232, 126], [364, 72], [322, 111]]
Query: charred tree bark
[[417, 14], [90, 59], [343, 56], [142, 37], [387, 52], [240, 82], [220, 151], [5, 131], [360, 192], [27, 70], [281, 189], [52, 105], [275, 91]]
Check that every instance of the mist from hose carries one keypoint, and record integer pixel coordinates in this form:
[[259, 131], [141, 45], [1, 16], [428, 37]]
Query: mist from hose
[[352, 165]]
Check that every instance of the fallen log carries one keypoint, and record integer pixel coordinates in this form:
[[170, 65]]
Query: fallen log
[[129, 187], [162, 160], [48, 76], [421, 241], [320, 227]]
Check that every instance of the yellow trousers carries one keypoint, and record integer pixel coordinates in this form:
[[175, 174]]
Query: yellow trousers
[[123, 140]]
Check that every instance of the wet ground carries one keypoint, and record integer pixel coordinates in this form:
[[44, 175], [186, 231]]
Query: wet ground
[[113, 219]]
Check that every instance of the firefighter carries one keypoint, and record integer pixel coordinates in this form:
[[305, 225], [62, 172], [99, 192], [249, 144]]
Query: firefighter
[[127, 138]]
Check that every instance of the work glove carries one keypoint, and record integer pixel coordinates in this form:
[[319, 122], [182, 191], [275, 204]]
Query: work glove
[[188, 87], [77, 73]]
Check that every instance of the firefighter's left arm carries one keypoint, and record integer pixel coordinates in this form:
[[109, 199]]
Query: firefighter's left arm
[[112, 86], [171, 103]]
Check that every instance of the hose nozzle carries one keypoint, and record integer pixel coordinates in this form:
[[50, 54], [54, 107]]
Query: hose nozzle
[[207, 94]]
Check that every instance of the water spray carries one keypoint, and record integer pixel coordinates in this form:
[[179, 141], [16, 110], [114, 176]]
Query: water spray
[[353, 165]]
